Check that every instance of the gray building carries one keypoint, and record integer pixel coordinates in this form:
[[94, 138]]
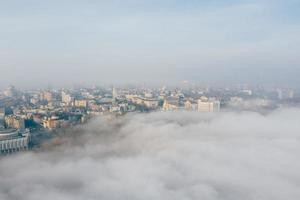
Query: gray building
[[13, 140]]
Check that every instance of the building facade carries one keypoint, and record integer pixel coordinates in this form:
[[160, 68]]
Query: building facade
[[12, 140]]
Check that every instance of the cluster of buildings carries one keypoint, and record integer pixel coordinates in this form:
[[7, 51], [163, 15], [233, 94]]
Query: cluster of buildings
[[13, 135], [24, 112], [203, 104]]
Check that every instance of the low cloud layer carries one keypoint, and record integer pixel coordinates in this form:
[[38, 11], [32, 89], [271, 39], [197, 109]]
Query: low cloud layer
[[167, 156]]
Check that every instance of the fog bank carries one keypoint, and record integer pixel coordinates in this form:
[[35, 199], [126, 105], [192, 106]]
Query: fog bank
[[167, 156]]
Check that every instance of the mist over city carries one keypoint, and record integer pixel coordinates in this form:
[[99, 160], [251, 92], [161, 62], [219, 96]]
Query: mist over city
[[149, 99], [164, 156]]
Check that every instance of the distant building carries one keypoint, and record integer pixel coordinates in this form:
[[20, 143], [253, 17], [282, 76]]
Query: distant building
[[247, 92], [284, 94], [10, 91], [37, 118], [47, 96], [120, 108], [148, 95], [80, 103], [34, 101], [172, 104], [235, 101], [208, 106], [66, 98], [147, 102], [2, 114], [13, 121], [114, 93], [51, 123], [8, 111], [2, 124], [191, 105], [151, 103]]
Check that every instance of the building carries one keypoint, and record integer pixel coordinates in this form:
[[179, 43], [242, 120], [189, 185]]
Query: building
[[208, 106], [172, 104], [191, 105], [47, 96], [51, 122], [114, 93], [14, 121], [247, 92], [151, 103], [147, 102], [66, 98], [2, 115], [284, 94], [10, 92], [81, 103], [13, 140]]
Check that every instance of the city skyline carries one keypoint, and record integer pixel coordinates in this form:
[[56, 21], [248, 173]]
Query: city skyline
[[149, 99]]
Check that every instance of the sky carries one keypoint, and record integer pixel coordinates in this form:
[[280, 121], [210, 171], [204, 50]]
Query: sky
[[61, 42], [164, 156]]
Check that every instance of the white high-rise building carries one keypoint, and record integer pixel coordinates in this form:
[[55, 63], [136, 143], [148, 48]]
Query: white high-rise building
[[114, 93], [10, 91], [208, 106], [66, 98]]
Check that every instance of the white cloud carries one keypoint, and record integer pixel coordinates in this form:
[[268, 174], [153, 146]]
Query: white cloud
[[165, 156]]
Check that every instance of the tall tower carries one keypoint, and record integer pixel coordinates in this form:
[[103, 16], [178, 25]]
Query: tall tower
[[114, 93]]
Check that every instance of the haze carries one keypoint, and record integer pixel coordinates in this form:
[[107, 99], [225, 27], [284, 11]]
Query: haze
[[61, 42]]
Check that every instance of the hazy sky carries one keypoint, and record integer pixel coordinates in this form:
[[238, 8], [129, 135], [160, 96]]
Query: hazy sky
[[119, 41], [164, 156]]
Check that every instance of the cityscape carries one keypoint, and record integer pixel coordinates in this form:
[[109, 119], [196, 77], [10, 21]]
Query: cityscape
[[26, 115], [149, 100]]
